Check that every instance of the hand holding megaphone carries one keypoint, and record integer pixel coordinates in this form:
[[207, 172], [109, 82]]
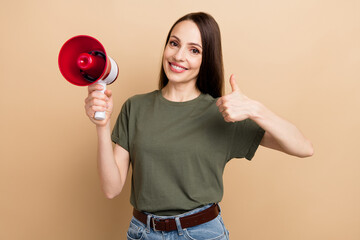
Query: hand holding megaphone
[[96, 101], [83, 61]]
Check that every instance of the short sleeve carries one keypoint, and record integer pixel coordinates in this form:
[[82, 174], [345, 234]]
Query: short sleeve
[[120, 133], [246, 139]]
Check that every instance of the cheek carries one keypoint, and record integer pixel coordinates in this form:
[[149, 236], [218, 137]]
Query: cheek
[[167, 53], [196, 63], [165, 59]]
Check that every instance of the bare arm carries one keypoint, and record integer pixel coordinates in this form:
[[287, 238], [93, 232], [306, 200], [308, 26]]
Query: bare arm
[[113, 163], [280, 134]]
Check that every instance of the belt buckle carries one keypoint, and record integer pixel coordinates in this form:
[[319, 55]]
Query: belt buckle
[[154, 225]]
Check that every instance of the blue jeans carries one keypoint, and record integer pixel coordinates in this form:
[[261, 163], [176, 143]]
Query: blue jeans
[[212, 230]]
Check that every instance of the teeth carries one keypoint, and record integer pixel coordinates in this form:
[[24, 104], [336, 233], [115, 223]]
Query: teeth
[[177, 67]]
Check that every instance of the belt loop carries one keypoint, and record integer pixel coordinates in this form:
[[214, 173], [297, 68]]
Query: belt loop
[[148, 223], [178, 225]]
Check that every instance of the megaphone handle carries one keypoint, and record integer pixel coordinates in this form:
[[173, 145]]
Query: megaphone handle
[[100, 115]]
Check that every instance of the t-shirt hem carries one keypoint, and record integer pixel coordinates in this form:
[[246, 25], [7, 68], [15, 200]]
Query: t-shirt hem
[[256, 142]]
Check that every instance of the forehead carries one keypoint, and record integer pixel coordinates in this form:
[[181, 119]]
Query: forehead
[[187, 31]]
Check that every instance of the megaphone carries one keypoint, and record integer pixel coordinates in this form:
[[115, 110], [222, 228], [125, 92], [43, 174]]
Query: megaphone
[[83, 61]]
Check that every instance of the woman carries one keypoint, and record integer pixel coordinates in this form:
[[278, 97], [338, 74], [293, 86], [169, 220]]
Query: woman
[[180, 137]]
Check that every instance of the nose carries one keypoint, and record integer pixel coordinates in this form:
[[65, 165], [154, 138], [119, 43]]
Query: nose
[[180, 54]]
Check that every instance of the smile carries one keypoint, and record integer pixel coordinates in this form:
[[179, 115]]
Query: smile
[[177, 68]]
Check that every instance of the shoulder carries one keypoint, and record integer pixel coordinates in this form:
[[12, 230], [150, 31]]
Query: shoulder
[[211, 102], [208, 107], [142, 97], [207, 97], [139, 100]]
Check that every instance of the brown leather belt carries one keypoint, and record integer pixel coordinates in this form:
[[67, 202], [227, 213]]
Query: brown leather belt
[[186, 222]]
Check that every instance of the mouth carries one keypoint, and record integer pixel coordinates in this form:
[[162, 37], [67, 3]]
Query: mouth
[[177, 68]]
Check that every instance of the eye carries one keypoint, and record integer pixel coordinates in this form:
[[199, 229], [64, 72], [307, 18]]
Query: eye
[[195, 51], [173, 43]]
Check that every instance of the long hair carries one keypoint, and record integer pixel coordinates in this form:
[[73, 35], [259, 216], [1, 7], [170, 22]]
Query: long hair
[[211, 74]]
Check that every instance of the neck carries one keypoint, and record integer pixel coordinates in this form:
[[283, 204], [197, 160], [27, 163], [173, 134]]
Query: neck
[[180, 92]]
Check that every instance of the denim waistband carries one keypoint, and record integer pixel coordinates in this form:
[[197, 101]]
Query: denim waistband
[[196, 210]]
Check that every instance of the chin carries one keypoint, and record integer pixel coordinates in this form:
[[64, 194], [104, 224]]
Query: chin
[[179, 79]]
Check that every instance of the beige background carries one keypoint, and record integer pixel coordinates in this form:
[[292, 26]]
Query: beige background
[[300, 58]]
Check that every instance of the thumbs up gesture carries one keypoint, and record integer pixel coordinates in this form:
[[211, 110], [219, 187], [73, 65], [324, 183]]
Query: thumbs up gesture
[[235, 106]]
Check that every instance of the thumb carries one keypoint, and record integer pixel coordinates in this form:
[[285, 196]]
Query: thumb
[[234, 86], [108, 93]]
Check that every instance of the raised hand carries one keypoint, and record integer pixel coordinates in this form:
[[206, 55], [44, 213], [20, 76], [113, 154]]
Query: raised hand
[[97, 101], [235, 106]]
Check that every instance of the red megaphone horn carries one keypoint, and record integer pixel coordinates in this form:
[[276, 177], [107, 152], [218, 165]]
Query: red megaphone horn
[[83, 61]]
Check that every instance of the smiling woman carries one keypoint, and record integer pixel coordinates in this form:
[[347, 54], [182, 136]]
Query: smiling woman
[[179, 138], [199, 34]]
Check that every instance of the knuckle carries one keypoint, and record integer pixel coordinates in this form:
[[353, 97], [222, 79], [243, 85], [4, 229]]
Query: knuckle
[[226, 105], [94, 94], [229, 114], [94, 101]]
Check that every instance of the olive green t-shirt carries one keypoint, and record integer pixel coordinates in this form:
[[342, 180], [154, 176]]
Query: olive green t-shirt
[[178, 150]]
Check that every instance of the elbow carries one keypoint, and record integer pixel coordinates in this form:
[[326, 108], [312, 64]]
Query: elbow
[[112, 190], [309, 150], [111, 194]]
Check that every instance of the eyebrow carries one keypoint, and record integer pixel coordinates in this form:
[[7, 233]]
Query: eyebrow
[[191, 43]]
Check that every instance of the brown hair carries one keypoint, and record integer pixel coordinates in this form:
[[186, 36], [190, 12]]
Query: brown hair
[[211, 74]]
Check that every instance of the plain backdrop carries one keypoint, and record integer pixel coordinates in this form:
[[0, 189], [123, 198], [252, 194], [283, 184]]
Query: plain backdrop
[[300, 58]]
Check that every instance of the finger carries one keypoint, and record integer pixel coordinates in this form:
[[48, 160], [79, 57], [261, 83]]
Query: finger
[[219, 102], [221, 108], [96, 102], [98, 109], [91, 100], [224, 114], [99, 95], [228, 119], [234, 86], [108, 93], [95, 87], [90, 112]]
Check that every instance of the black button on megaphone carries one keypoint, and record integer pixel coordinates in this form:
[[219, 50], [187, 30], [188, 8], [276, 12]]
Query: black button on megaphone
[[83, 61]]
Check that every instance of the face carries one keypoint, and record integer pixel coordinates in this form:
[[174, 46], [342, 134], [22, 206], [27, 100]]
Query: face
[[183, 53]]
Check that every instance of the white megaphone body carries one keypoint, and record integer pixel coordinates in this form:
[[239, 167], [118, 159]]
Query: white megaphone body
[[83, 61]]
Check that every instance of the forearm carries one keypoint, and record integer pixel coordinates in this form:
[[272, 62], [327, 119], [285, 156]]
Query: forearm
[[110, 177], [288, 137]]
